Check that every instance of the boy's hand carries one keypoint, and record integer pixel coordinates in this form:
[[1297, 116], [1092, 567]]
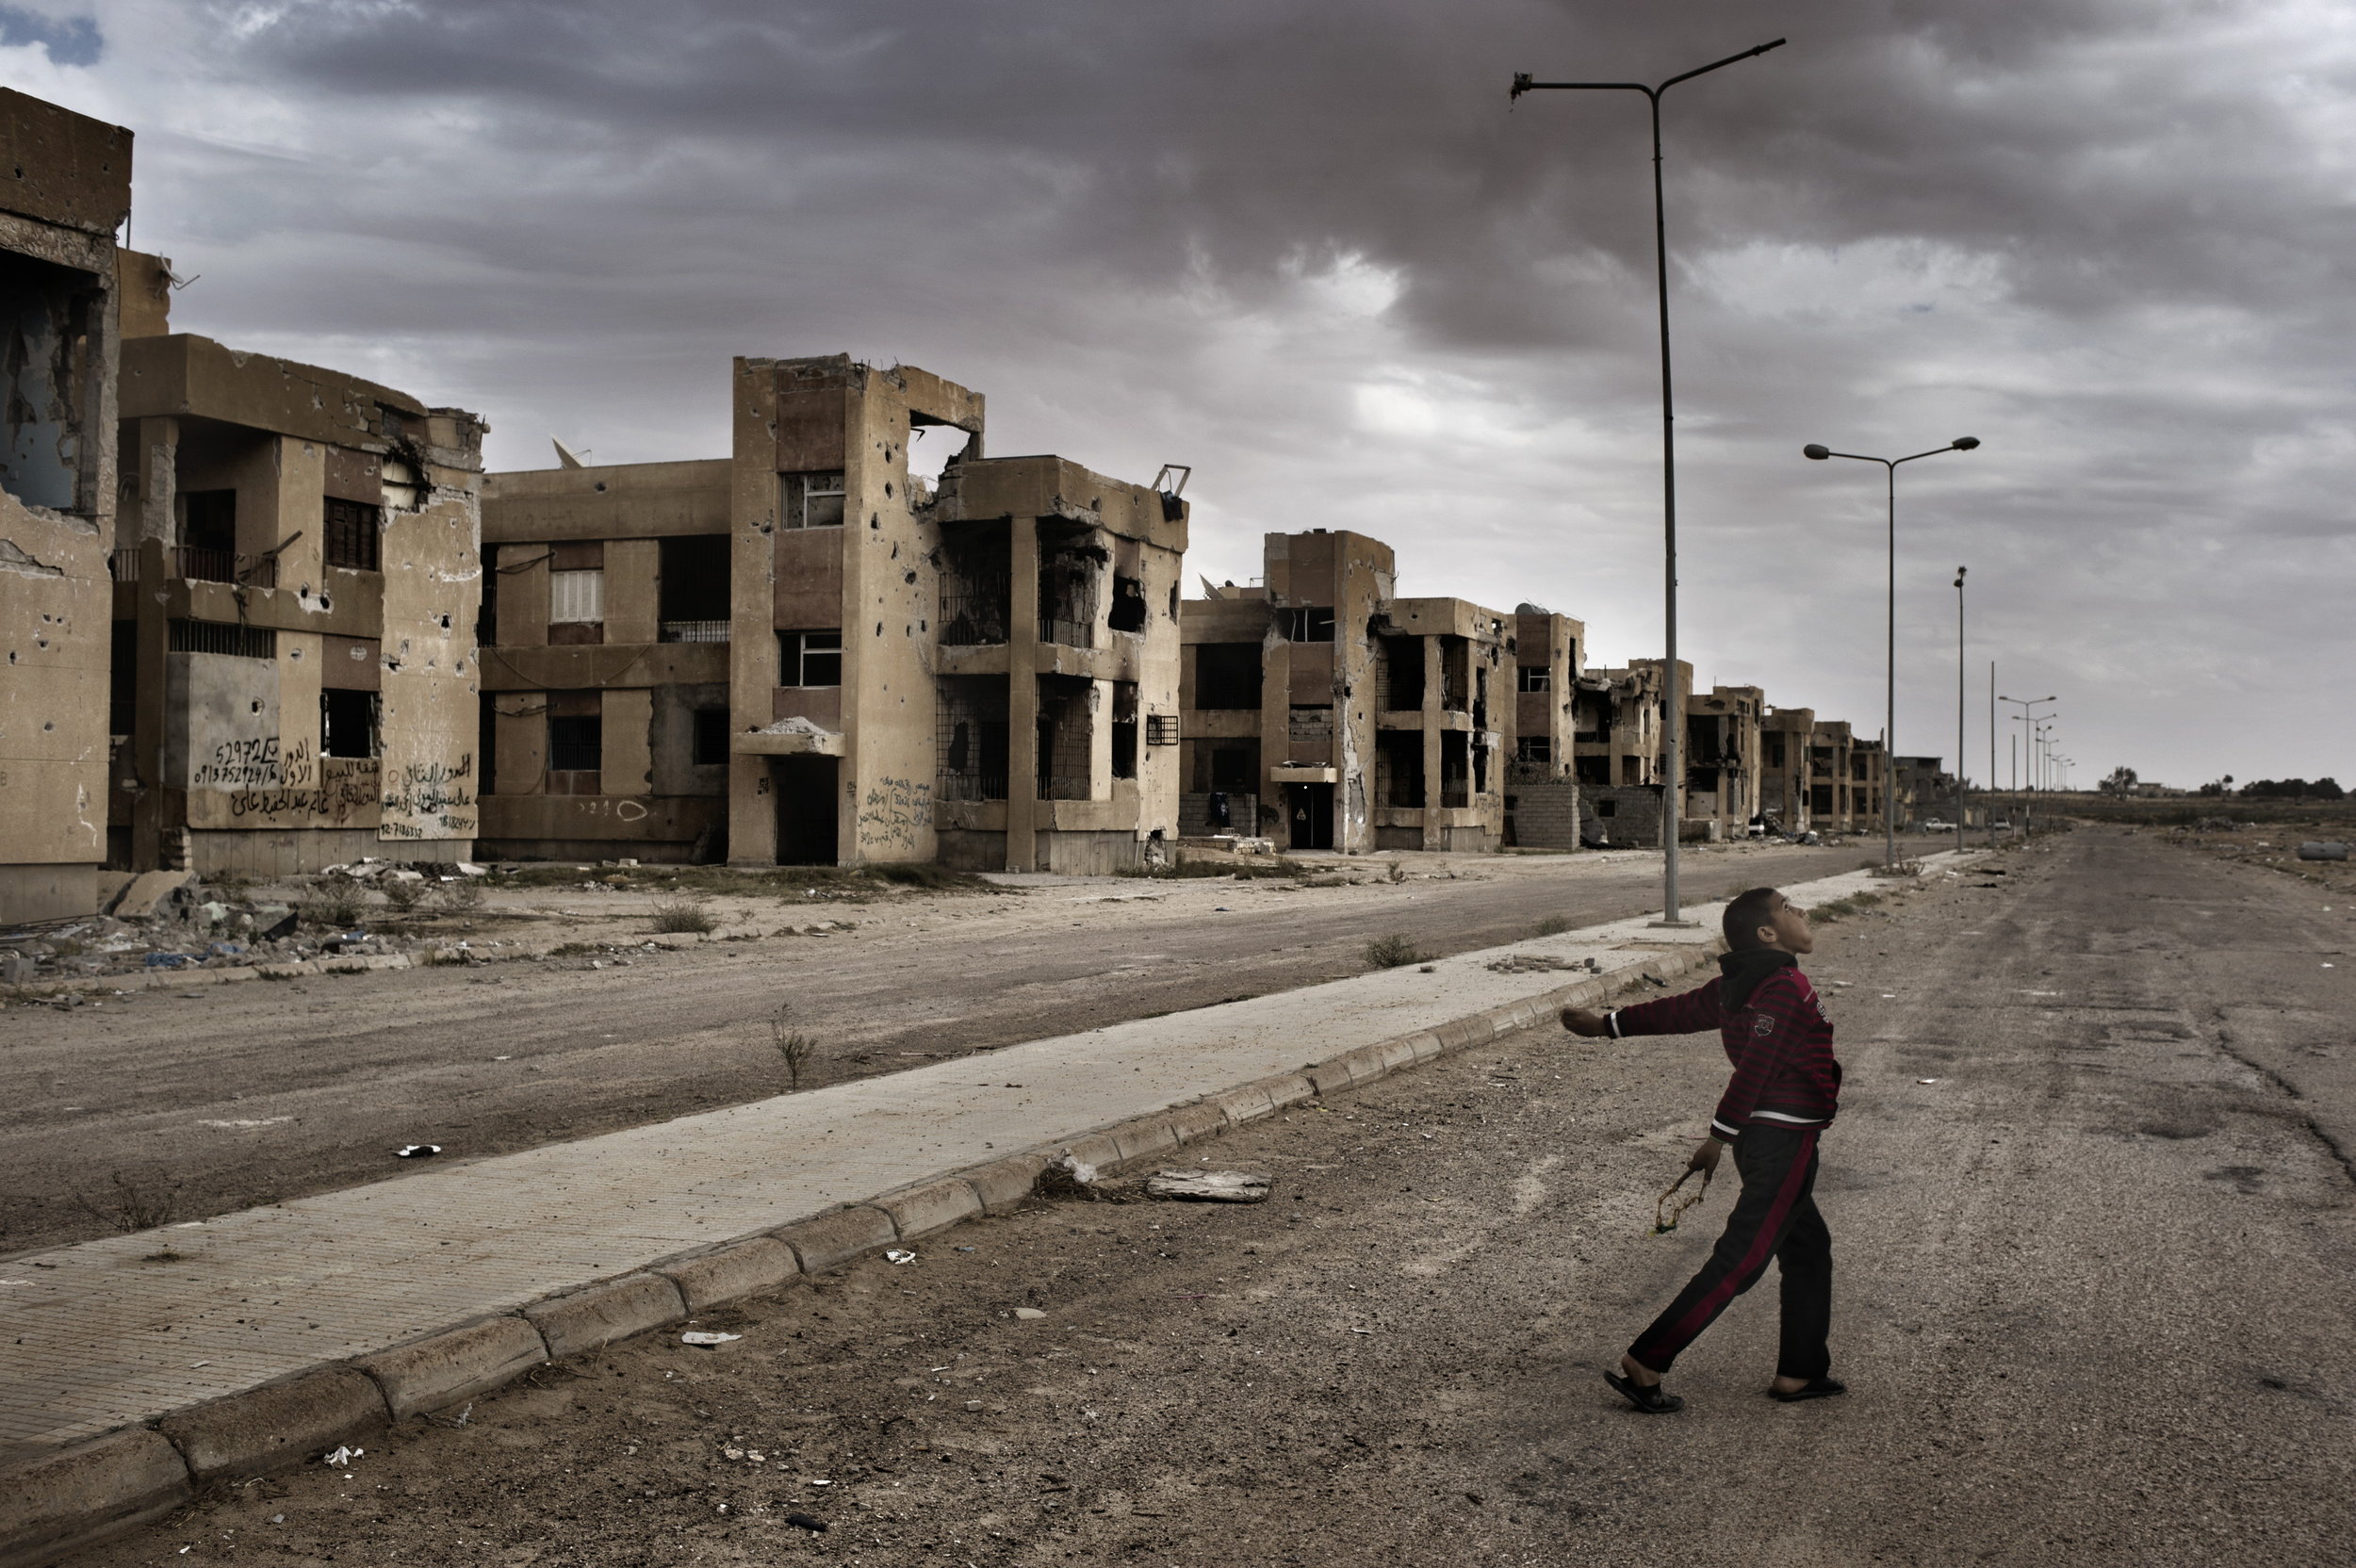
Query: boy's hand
[[1579, 1021], [1706, 1158]]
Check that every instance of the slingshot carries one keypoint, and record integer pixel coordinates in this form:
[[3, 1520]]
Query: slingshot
[[1671, 1205]]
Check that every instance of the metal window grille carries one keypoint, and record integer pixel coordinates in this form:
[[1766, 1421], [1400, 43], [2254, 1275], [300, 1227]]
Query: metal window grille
[[1070, 576], [224, 637], [575, 743], [353, 530], [694, 631], [1161, 729], [1065, 738], [973, 738], [977, 588]]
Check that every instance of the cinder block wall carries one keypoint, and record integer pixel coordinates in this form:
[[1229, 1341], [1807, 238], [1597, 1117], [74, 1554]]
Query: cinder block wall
[[1545, 816]]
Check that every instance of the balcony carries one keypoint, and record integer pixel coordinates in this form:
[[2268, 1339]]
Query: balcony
[[201, 565], [693, 631]]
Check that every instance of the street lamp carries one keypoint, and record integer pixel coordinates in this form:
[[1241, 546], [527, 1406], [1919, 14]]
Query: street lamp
[[2027, 705], [1674, 742], [1959, 807], [1890, 694]]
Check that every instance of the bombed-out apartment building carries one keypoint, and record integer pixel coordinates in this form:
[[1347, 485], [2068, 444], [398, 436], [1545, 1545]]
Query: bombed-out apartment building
[[297, 571], [65, 187], [1323, 710], [805, 653], [1785, 738]]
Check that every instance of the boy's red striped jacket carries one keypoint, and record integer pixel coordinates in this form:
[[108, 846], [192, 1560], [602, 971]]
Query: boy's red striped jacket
[[1774, 1032]]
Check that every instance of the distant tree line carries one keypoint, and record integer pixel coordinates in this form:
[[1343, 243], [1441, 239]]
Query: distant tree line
[[2291, 788]]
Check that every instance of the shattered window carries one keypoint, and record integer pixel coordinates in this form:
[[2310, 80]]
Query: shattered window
[[1128, 612], [1124, 729], [1308, 623], [1534, 748], [1227, 674], [1533, 677], [810, 500], [348, 724], [973, 738]]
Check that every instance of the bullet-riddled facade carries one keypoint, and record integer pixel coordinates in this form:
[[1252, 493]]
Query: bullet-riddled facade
[[805, 653], [70, 190], [1342, 716], [1786, 736], [1721, 746], [298, 573]]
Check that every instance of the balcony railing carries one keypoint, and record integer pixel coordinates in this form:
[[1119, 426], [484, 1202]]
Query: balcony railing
[[200, 565], [694, 631]]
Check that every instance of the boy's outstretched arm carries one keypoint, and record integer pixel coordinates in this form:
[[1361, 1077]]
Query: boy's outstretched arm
[[1696, 1011]]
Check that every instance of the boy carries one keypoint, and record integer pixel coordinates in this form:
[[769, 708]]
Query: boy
[[1785, 1090]]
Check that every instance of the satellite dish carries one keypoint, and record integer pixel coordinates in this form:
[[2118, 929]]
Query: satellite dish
[[565, 457]]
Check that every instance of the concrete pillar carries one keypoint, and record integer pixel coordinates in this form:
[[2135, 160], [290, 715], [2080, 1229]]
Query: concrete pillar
[[147, 712], [1023, 802], [158, 459]]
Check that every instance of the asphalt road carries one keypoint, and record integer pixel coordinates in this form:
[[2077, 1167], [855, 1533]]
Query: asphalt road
[[2091, 1306], [226, 1097]]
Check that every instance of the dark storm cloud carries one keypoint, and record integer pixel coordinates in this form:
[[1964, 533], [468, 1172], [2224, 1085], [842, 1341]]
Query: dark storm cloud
[[1310, 249]]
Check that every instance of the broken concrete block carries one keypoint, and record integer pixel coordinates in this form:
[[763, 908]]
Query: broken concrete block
[[1006, 1185], [831, 1239], [1209, 1186], [147, 893]]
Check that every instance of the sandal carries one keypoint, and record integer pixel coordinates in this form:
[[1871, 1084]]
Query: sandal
[[1820, 1388], [1654, 1400]]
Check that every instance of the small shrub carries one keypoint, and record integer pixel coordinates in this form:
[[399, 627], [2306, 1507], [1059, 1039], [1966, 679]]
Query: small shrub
[[464, 894], [1553, 925], [134, 1204], [338, 906], [683, 916], [402, 894], [1398, 871], [1393, 951], [796, 1050]]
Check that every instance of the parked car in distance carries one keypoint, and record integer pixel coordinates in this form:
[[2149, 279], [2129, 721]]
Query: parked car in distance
[[1934, 825]]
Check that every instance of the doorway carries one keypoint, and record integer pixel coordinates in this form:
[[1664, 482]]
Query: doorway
[[807, 809], [1310, 810]]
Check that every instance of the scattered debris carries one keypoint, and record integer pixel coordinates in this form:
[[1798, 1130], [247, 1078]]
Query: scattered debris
[[1670, 1206], [2322, 850], [416, 1151], [898, 1254], [1535, 963], [1029, 1315], [806, 1522], [1926, 1080], [1209, 1186], [707, 1338], [342, 1456]]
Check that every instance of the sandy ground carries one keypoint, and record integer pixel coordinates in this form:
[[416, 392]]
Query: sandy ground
[[258, 1091], [2093, 1241]]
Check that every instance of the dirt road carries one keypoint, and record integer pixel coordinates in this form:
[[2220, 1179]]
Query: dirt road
[[257, 1092], [2093, 1237]]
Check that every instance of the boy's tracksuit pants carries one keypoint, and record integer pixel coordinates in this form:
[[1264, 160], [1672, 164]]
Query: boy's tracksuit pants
[[1774, 1218]]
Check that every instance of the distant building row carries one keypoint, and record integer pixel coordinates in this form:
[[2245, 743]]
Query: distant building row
[[264, 617]]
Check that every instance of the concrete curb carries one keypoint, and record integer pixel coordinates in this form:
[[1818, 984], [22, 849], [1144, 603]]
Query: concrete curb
[[64, 1500]]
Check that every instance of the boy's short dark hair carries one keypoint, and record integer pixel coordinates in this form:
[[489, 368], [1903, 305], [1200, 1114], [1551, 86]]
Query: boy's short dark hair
[[1745, 915]]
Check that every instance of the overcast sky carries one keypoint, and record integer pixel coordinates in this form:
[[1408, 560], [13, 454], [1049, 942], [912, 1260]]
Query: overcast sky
[[1310, 250]]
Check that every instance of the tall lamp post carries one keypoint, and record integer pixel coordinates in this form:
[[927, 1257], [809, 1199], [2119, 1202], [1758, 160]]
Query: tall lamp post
[[1889, 691], [1674, 740], [1960, 812], [2027, 705]]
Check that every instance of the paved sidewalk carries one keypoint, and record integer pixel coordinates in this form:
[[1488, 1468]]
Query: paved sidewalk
[[120, 1332]]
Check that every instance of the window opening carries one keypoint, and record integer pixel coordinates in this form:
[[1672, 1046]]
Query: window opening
[[977, 584], [1455, 768], [710, 748], [208, 536], [1534, 748], [1128, 612], [225, 637], [1066, 736], [354, 529], [1398, 768], [810, 500], [45, 315], [1401, 674], [1455, 674], [1124, 729], [575, 743], [810, 658], [1308, 623], [1227, 674], [1161, 729], [1533, 677], [973, 738], [348, 723], [692, 599], [576, 599], [1070, 576]]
